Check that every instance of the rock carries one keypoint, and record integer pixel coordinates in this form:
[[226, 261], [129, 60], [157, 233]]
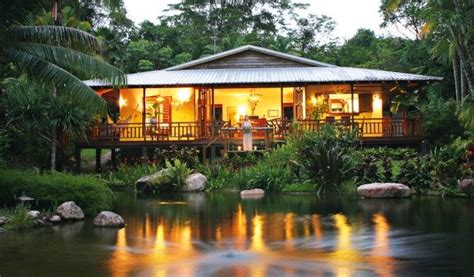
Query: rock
[[108, 219], [40, 222], [55, 219], [146, 183], [33, 214], [3, 220], [70, 211], [383, 190], [195, 182], [466, 186], [2, 230], [252, 193]]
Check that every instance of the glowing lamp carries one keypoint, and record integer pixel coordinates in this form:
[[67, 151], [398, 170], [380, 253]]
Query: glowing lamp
[[122, 102], [184, 95]]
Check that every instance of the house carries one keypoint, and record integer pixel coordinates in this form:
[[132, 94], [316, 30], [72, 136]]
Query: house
[[202, 102]]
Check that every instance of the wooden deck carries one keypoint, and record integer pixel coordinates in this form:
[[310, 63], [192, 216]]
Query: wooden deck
[[372, 131]]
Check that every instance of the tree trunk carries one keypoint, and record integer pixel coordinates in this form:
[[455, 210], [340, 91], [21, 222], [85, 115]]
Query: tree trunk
[[462, 81], [456, 80], [53, 141]]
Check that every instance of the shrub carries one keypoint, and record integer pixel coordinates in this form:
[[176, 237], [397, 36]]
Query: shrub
[[265, 176], [188, 155], [51, 189], [17, 218], [175, 176], [325, 156], [126, 175], [437, 114], [415, 173], [366, 170]]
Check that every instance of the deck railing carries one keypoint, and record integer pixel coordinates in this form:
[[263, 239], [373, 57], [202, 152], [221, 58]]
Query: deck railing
[[372, 127], [179, 131], [208, 130]]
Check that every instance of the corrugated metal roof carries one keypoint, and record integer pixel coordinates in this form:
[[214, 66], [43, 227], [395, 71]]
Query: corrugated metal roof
[[248, 48], [264, 76]]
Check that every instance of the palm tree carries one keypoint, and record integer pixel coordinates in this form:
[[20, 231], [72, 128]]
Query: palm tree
[[55, 55], [60, 56]]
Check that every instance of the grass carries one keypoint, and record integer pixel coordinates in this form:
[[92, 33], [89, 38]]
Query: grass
[[17, 218]]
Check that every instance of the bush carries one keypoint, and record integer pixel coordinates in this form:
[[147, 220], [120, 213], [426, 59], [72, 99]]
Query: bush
[[17, 218], [264, 176], [174, 177], [437, 114], [126, 175], [325, 156], [188, 155], [52, 189], [415, 173]]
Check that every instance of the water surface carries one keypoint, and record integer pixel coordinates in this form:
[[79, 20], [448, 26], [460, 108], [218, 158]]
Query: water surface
[[222, 235]]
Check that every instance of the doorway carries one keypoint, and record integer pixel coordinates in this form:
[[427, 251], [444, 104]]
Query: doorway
[[288, 111]]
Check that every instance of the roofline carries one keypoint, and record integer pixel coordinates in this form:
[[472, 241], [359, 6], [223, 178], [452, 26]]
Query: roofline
[[246, 48], [271, 84]]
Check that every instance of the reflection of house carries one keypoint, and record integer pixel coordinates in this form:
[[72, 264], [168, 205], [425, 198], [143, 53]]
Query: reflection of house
[[188, 103]]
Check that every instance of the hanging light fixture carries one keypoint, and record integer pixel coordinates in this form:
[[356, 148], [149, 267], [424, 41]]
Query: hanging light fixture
[[253, 101]]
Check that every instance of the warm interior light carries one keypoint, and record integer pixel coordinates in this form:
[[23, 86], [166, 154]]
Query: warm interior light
[[314, 101], [122, 102], [160, 99], [241, 111], [377, 103], [184, 95]]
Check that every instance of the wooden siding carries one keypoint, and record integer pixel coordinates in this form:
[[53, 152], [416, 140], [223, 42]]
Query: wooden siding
[[249, 59]]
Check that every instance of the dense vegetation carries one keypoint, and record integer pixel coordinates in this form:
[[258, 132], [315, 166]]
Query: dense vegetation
[[52, 189], [45, 108]]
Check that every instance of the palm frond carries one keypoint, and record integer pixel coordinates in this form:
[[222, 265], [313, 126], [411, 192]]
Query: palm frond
[[74, 61], [55, 35], [45, 71]]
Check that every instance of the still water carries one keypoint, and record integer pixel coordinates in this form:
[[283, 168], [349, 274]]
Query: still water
[[222, 235]]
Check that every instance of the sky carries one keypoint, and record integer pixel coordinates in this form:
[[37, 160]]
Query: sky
[[349, 15]]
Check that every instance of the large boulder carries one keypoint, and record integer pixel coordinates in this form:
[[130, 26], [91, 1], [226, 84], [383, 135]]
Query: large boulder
[[195, 182], [109, 219], [466, 186], [146, 184], [3, 220], [383, 190], [252, 194], [70, 211]]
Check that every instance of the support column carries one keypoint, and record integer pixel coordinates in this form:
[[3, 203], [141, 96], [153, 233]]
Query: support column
[[98, 159], [145, 154], [114, 158], [281, 101], [144, 114], [77, 157], [213, 111], [352, 106]]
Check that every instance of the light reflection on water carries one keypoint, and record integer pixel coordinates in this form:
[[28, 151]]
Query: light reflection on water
[[284, 235], [265, 244]]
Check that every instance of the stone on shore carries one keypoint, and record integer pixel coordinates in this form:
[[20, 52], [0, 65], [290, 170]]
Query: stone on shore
[[383, 190], [33, 214], [70, 211], [109, 219], [252, 193], [466, 186], [3, 220], [195, 182], [146, 184], [55, 219]]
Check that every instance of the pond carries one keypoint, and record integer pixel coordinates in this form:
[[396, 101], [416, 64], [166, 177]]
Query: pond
[[223, 235]]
